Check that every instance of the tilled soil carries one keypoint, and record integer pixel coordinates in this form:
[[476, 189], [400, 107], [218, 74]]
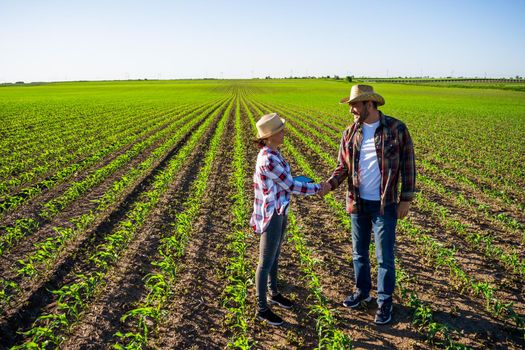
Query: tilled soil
[[125, 282], [298, 330], [36, 297], [477, 264], [74, 209], [195, 315]]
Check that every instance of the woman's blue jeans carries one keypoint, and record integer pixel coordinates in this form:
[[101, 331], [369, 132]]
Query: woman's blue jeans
[[269, 251], [384, 227]]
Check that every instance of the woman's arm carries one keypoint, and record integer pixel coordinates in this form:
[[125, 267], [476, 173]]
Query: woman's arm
[[276, 172]]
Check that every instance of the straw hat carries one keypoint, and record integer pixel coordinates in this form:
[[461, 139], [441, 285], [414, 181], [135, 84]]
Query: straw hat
[[268, 125], [362, 92]]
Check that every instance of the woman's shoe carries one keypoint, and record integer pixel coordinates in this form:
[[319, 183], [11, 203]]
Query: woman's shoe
[[280, 300], [268, 316]]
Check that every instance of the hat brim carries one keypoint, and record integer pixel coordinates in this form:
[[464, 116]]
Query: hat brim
[[365, 97], [273, 132]]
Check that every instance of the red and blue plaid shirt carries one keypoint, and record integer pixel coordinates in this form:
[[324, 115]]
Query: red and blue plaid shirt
[[273, 183], [395, 156]]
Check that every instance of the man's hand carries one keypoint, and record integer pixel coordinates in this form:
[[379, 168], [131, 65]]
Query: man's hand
[[325, 188], [402, 209]]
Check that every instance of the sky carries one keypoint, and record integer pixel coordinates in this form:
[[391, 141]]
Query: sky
[[105, 40]]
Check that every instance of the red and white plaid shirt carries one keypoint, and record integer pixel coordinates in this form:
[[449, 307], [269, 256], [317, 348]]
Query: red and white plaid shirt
[[273, 183]]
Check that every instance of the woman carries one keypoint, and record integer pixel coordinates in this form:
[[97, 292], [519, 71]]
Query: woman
[[273, 184]]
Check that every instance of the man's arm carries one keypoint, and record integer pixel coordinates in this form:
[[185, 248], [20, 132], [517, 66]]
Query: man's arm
[[408, 174], [340, 172]]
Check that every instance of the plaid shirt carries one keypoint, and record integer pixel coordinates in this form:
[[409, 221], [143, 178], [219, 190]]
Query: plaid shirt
[[395, 156], [273, 184]]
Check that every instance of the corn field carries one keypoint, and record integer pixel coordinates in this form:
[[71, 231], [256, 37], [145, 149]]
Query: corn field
[[124, 210]]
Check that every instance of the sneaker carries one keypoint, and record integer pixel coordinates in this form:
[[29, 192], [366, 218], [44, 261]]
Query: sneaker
[[268, 316], [355, 300], [280, 300], [384, 313]]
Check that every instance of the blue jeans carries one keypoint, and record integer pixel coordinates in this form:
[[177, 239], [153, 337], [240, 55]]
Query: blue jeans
[[384, 227], [269, 250]]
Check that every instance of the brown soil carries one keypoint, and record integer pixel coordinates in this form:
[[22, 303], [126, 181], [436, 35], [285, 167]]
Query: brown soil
[[76, 208], [478, 266], [35, 294], [196, 317], [125, 285], [81, 158]]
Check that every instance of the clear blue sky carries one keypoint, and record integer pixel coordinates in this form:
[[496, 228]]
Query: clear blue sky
[[91, 40]]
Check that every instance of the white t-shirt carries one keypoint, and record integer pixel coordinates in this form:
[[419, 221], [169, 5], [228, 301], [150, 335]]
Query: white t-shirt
[[369, 174]]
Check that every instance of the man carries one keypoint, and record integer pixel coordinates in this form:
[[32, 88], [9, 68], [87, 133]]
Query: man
[[375, 152]]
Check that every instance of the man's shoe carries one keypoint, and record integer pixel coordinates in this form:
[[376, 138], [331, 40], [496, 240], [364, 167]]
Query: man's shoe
[[280, 300], [384, 313], [268, 316], [354, 300]]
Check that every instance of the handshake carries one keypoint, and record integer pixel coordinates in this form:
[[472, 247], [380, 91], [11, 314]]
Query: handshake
[[325, 188]]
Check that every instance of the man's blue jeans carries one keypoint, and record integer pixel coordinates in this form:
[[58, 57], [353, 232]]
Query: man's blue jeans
[[384, 227]]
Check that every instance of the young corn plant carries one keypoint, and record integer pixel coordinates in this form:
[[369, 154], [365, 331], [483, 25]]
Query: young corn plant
[[238, 271], [445, 257], [161, 283], [329, 336], [48, 251], [428, 325], [73, 297]]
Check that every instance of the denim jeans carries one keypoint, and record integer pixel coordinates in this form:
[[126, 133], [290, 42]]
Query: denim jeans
[[269, 251], [384, 227]]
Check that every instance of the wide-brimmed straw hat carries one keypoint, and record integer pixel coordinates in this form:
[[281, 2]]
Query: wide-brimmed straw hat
[[268, 125], [362, 92]]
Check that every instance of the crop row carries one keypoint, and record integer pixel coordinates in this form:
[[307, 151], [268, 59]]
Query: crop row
[[95, 150], [160, 283], [511, 260], [25, 226], [238, 270], [21, 142], [422, 312], [479, 240], [330, 337], [53, 148], [48, 250], [74, 297], [446, 257]]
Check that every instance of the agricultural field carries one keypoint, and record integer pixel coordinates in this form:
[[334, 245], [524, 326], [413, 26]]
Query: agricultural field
[[124, 210]]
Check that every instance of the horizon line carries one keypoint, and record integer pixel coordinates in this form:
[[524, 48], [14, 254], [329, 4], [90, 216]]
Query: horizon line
[[333, 77]]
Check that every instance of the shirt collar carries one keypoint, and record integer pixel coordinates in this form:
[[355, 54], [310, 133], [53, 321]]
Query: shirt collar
[[271, 151]]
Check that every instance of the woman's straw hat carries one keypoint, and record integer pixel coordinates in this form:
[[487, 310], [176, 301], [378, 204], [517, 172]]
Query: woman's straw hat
[[268, 125], [362, 92]]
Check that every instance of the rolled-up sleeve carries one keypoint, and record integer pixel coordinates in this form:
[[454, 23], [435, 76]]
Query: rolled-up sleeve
[[341, 170], [407, 168], [274, 171]]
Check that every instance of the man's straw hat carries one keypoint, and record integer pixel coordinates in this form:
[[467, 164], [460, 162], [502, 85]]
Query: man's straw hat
[[362, 92], [268, 125]]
